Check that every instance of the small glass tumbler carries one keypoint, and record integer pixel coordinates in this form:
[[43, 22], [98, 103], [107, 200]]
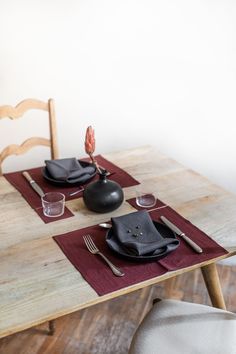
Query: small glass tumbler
[[53, 204], [144, 197]]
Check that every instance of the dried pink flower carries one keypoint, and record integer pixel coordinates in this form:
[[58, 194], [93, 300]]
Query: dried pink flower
[[89, 141], [89, 145]]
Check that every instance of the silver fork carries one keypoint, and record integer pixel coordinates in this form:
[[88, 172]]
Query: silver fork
[[94, 250]]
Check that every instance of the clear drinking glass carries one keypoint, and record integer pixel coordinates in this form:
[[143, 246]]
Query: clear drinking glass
[[145, 198], [53, 204]]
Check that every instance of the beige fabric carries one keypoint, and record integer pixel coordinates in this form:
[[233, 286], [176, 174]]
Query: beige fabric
[[175, 327]]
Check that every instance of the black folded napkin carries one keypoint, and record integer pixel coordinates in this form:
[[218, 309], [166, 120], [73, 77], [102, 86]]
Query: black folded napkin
[[137, 235], [69, 170]]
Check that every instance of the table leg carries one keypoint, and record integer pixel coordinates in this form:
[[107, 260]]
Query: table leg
[[212, 281]]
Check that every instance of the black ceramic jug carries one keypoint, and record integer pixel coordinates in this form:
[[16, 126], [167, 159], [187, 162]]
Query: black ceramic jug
[[103, 195]]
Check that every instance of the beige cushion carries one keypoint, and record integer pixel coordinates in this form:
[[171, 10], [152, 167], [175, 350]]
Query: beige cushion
[[175, 327]]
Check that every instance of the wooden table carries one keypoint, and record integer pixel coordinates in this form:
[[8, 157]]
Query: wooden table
[[38, 283]]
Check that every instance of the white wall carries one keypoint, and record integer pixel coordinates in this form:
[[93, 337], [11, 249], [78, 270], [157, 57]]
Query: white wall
[[140, 71]]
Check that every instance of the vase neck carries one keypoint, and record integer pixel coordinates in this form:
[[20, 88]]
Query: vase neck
[[103, 176]]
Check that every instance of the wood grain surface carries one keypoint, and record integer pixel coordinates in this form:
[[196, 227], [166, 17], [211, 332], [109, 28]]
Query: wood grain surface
[[38, 283], [107, 328]]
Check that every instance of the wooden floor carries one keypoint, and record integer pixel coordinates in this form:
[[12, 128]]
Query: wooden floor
[[107, 328]]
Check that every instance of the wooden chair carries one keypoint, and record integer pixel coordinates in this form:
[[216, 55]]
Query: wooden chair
[[179, 327], [19, 111]]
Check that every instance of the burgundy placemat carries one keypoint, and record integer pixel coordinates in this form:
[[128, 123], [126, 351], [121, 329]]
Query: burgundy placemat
[[93, 268], [99, 275], [20, 183]]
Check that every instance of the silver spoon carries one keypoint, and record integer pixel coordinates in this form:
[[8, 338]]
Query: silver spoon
[[105, 225]]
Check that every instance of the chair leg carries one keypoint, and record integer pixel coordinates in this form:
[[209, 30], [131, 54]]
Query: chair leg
[[51, 327]]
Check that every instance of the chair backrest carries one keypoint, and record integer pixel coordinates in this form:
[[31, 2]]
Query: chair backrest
[[173, 326], [19, 111]]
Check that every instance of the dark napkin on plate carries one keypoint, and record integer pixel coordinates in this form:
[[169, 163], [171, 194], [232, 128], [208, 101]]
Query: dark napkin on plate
[[69, 170], [137, 234]]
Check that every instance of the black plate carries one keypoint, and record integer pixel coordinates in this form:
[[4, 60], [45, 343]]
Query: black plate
[[49, 178], [163, 230]]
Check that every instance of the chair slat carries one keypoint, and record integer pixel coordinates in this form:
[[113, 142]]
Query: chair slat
[[18, 111]]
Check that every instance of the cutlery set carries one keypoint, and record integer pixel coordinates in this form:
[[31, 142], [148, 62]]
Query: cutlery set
[[39, 190]]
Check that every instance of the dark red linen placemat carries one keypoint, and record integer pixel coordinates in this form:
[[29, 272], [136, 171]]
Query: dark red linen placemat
[[20, 183], [99, 276], [93, 268]]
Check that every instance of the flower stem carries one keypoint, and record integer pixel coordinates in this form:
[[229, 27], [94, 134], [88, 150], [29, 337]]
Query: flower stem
[[95, 163]]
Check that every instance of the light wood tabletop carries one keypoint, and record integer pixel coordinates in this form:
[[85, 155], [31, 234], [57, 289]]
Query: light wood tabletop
[[38, 283]]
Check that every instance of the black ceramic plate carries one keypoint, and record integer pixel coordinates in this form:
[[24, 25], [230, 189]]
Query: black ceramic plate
[[163, 230], [50, 179]]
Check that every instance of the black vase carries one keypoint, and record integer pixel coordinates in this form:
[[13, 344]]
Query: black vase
[[103, 195]]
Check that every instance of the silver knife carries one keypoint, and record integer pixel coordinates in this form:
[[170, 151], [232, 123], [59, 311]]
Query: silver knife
[[33, 184], [182, 234]]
